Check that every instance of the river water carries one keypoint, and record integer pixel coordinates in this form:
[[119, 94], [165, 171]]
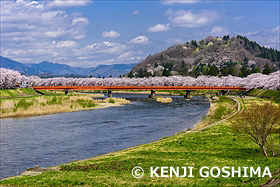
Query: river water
[[59, 138]]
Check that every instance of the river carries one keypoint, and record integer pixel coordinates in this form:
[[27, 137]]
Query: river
[[59, 138]]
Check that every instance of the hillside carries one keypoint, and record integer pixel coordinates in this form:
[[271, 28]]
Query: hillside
[[59, 69], [236, 56], [49, 69], [14, 65]]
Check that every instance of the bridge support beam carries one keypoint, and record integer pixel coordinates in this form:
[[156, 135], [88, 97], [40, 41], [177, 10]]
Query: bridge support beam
[[223, 92], [153, 94], [110, 93], [66, 92], [188, 94]]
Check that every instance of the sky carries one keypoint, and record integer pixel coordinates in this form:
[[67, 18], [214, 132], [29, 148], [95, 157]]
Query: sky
[[86, 33]]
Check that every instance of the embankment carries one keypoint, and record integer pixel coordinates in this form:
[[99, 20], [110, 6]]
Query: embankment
[[216, 146], [26, 102]]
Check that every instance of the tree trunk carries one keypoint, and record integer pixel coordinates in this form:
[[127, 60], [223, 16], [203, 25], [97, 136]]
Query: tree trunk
[[264, 151]]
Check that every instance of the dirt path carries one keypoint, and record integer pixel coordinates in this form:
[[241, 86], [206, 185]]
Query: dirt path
[[239, 109]]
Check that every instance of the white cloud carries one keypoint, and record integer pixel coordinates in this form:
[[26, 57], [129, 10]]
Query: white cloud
[[238, 17], [183, 18], [248, 33], [32, 31], [169, 2], [135, 12], [85, 57], [174, 41], [130, 56], [140, 40], [266, 37], [80, 20], [102, 48], [126, 54], [68, 3], [55, 34], [159, 28], [276, 30], [66, 44], [111, 34], [219, 31]]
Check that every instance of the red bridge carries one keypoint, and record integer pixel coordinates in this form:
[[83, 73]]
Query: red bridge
[[152, 88]]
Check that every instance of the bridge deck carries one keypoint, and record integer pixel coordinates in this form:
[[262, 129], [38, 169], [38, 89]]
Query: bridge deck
[[138, 88]]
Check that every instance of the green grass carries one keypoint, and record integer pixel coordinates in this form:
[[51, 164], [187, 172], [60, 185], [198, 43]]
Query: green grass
[[22, 103], [225, 106], [111, 101], [86, 103], [55, 100], [217, 146], [21, 92], [273, 95]]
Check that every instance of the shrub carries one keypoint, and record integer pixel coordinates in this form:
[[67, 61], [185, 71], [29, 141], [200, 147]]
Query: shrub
[[85, 103], [111, 101], [22, 103], [55, 100]]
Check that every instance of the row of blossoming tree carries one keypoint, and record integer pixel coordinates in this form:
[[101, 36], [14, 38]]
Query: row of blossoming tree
[[11, 79]]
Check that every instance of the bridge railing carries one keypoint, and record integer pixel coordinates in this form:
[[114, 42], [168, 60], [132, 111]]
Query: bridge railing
[[138, 88]]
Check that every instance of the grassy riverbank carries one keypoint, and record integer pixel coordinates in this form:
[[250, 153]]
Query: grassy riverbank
[[217, 146], [21, 92], [26, 102]]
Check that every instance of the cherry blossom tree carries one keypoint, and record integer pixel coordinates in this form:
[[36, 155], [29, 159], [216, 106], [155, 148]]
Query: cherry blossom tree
[[10, 79]]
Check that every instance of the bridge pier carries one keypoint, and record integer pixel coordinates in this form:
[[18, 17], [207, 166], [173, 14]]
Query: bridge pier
[[110, 93], [223, 92], [66, 92], [153, 94], [188, 94]]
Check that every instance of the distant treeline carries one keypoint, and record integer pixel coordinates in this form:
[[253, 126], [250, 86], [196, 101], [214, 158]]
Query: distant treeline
[[267, 53], [239, 69]]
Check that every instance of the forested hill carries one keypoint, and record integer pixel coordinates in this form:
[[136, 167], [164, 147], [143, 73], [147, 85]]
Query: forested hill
[[237, 56]]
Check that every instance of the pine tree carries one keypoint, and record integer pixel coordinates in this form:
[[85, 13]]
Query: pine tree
[[267, 70], [214, 70]]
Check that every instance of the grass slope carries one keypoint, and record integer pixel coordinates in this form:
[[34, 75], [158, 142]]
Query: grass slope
[[270, 94], [216, 146], [20, 92]]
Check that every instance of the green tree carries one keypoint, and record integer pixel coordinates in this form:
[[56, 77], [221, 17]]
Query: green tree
[[267, 70], [130, 74], [166, 72], [183, 64], [244, 71], [214, 70], [194, 43], [226, 38], [156, 65], [246, 60]]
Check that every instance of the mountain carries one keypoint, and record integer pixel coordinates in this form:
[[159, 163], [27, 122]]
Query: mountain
[[237, 56], [49, 69], [59, 69], [11, 64], [111, 70]]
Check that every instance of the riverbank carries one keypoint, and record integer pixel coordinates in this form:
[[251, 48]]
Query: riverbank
[[215, 146], [26, 103]]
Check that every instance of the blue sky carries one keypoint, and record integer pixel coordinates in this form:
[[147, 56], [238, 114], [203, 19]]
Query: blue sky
[[86, 33]]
